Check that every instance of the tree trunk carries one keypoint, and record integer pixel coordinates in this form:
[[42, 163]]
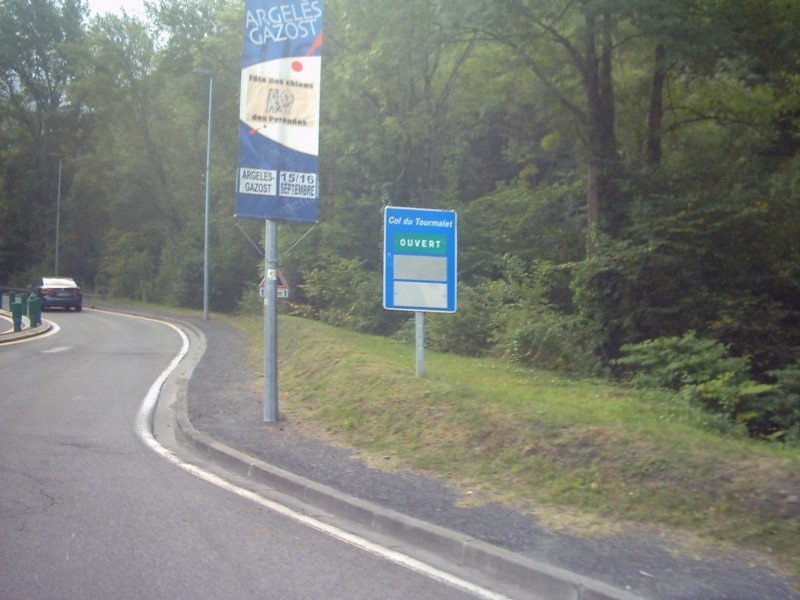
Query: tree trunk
[[602, 143], [656, 114]]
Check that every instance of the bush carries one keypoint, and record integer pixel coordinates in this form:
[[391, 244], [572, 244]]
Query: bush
[[674, 362], [703, 371], [469, 330], [126, 270], [781, 418], [250, 302], [543, 337], [180, 275], [534, 325], [345, 294]]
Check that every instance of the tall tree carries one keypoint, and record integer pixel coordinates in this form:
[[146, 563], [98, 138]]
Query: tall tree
[[569, 46], [392, 73], [36, 121]]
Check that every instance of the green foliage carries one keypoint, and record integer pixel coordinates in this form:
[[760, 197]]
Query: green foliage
[[600, 285], [780, 416], [531, 223], [250, 302], [395, 135], [38, 121], [470, 329], [344, 293], [542, 337], [703, 371], [675, 362], [127, 269], [694, 260], [535, 323], [180, 280], [234, 266]]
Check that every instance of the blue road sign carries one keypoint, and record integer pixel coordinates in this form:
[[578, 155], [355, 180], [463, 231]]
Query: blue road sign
[[419, 259]]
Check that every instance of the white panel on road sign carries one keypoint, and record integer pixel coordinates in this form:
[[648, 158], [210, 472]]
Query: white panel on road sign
[[420, 268], [414, 293], [420, 259]]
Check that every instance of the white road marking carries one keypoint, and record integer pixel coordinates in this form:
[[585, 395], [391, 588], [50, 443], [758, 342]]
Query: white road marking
[[144, 430], [54, 328], [57, 349]]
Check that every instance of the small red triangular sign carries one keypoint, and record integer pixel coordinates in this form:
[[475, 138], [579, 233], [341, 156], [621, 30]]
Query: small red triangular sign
[[282, 285]]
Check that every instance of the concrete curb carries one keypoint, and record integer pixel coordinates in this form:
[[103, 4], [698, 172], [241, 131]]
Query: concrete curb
[[549, 583], [26, 332]]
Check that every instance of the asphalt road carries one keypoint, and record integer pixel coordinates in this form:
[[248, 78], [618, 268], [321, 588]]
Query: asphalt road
[[88, 510]]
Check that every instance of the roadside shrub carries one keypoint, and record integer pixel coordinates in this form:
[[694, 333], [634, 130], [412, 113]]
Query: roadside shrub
[[126, 270], [534, 323], [250, 302], [702, 371], [345, 294], [470, 329], [781, 418], [674, 362], [539, 336], [180, 274]]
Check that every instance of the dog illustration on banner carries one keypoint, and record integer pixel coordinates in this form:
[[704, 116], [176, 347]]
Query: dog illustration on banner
[[279, 102]]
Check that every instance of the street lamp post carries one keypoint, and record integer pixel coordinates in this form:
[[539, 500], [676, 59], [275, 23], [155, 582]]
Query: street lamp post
[[58, 213], [208, 74]]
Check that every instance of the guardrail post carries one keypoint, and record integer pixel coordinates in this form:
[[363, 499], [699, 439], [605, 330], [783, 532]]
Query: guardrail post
[[23, 299], [16, 316], [12, 297], [35, 311]]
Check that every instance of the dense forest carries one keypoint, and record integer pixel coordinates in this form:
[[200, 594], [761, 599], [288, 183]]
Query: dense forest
[[626, 175]]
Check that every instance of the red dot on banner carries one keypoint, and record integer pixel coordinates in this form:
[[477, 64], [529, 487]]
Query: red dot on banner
[[297, 66]]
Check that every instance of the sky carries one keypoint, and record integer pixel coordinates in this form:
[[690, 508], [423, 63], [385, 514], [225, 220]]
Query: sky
[[132, 7]]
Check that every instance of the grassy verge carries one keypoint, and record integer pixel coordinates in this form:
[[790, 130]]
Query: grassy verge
[[586, 455]]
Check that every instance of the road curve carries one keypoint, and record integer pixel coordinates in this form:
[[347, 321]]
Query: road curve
[[89, 511]]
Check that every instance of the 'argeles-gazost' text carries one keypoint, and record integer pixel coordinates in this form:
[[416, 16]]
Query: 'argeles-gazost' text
[[286, 22]]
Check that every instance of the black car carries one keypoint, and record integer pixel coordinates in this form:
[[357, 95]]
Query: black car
[[59, 292]]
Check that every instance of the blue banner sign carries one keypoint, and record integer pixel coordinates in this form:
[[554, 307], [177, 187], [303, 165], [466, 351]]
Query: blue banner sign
[[277, 175], [419, 260]]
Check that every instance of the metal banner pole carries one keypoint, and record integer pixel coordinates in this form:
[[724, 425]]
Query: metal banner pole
[[58, 216], [420, 330], [271, 321], [207, 203]]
